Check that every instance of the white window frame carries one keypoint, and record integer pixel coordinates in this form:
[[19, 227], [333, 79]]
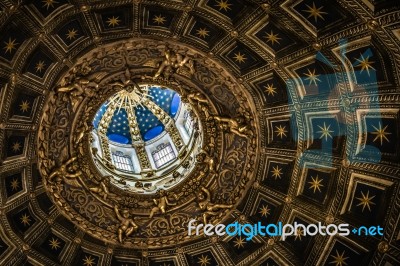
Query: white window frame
[[163, 154], [122, 162], [189, 122]]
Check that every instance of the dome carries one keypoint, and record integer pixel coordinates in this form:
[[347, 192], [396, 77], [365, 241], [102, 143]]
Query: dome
[[143, 133], [149, 125]]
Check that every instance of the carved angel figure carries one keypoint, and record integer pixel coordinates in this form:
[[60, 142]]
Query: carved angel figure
[[127, 227], [127, 83], [197, 97], [81, 131], [161, 203], [102, 189], [84, 69], [205, 204], [77, 89], [173, 62], [202, 102], [237, 126], [203, 157], [66, 171]]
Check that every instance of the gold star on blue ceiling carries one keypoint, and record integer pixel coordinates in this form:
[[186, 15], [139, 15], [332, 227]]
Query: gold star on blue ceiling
[[325, 129], [15, 145], [86, 259], [206, 32], [367, 203], [274, 90], [342, 254], [203, 259], [316, 184], [71, 32], [115, 20], [10, 45], [39, 62], [23, 220], [277, 176], [11, 40], [382, 134], [321, 13], [326, 134], [277, 37], [49, 3], [46, 7], [119, 125], [264, 211], [241, 247], [243, 58], [318, 78], [233, 9], [13, 184], [366, 65], [157, 19], [53, 245], [23, 105]]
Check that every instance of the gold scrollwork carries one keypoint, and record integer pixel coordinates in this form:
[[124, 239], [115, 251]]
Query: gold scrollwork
[[92, 205]]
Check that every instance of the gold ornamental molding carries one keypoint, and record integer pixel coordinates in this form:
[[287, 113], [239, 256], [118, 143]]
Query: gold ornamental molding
[[209, 187]]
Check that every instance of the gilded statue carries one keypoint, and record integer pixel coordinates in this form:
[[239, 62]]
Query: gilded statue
[[127, 226], [66, 171], [162, 203], [202, 102], [80, 84], [83, 69], [236, 126], [174, 62], [76, 90], [203, 157], [206, 111], [102, 189], [197, 97], [209, 208], [80, 133], [128, 84]]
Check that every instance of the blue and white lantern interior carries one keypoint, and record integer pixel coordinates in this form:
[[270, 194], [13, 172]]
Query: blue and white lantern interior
[[142, 136]]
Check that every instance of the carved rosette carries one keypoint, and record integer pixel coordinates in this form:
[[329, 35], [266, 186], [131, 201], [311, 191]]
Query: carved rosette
[[75, 187]]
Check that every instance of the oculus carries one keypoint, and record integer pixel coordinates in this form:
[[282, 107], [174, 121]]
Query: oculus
[[149, 132]]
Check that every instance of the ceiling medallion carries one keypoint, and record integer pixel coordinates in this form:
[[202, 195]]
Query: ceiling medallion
[[141, 137]]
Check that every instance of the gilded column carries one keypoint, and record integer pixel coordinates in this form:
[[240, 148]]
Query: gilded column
[[102, 132], [137, 141]]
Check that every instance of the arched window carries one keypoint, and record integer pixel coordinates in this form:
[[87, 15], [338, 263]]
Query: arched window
[[163, 154], [122, 162], [188, 123]]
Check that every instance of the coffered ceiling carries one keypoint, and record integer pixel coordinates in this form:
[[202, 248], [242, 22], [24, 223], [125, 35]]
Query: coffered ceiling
[[322, 78]]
